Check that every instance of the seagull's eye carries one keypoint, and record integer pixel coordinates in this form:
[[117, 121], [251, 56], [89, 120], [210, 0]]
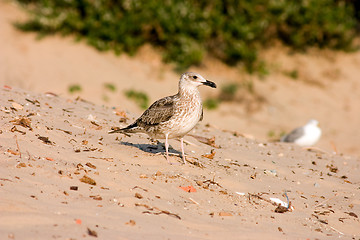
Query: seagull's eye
[[194, 77]]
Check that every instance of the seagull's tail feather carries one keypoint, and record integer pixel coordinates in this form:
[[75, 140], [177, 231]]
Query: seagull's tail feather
[[133, 128]]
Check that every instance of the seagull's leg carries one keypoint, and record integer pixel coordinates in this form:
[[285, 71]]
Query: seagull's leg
[[167, 147], [182, 149]]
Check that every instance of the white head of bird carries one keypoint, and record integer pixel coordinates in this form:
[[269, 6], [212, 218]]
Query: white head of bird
[[313, 122], [191, 80]]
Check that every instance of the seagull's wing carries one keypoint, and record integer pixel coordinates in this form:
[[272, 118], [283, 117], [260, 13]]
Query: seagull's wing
[[293, 135], [160, 111]]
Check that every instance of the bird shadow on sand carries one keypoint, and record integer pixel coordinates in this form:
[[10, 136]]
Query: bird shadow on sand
[[152, 148]]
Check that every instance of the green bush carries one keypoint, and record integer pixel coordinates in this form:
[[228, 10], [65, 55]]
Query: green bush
[[211, 103], [74, 88], [109, 86], [185, 31], [228, 92], [140, 98]]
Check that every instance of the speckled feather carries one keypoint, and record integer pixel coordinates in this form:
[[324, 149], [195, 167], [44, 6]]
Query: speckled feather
[[173, 116]]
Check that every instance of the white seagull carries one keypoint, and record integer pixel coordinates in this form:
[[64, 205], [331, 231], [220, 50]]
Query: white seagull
[[304, 136]]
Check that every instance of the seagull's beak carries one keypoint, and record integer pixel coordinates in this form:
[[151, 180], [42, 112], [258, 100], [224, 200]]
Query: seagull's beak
[[209, 83]]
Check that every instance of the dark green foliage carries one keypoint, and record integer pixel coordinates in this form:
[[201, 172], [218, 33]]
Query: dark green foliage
[[211, 103], [109, 86], [294, 74], [230, 30], [140, 98], [74, 88], [228, 92]]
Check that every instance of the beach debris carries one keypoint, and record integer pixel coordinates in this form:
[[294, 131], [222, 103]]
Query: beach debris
[[237, 134], [206, 184], [50, 94], [108, 159], [211, 142], [138, 195], [281, 205], [156, 211], [92, 233], [67, 110], [90, 165], [34, 197], [91, 118], [332, 168], [279, 202], [145, 190], [258, 196], [271, 172], [121, 114], [23, 121], [192, 201], [5, 179], [281, 209], [88, 180], [194, 161], [14, 129], [322, 204], [208, 141], [352, 214], [65, 131], [78, 221], [96, 197], [49, 159], [35, 102], [210, 155], [241, 193], [13, 152], [20, 165], [225, 214], [98, 127], [5, 109], [74, 188], [131, 223], [188, 189], [17, 106], [45, 140], [333, 146], [326, 223]]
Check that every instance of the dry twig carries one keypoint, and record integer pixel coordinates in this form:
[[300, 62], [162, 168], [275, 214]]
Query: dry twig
[[17, 144]]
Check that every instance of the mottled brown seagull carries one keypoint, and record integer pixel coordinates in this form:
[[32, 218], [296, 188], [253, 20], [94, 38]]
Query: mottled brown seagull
[[173, 116]]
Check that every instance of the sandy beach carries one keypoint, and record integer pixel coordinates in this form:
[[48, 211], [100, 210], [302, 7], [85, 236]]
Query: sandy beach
[[62, 176]]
